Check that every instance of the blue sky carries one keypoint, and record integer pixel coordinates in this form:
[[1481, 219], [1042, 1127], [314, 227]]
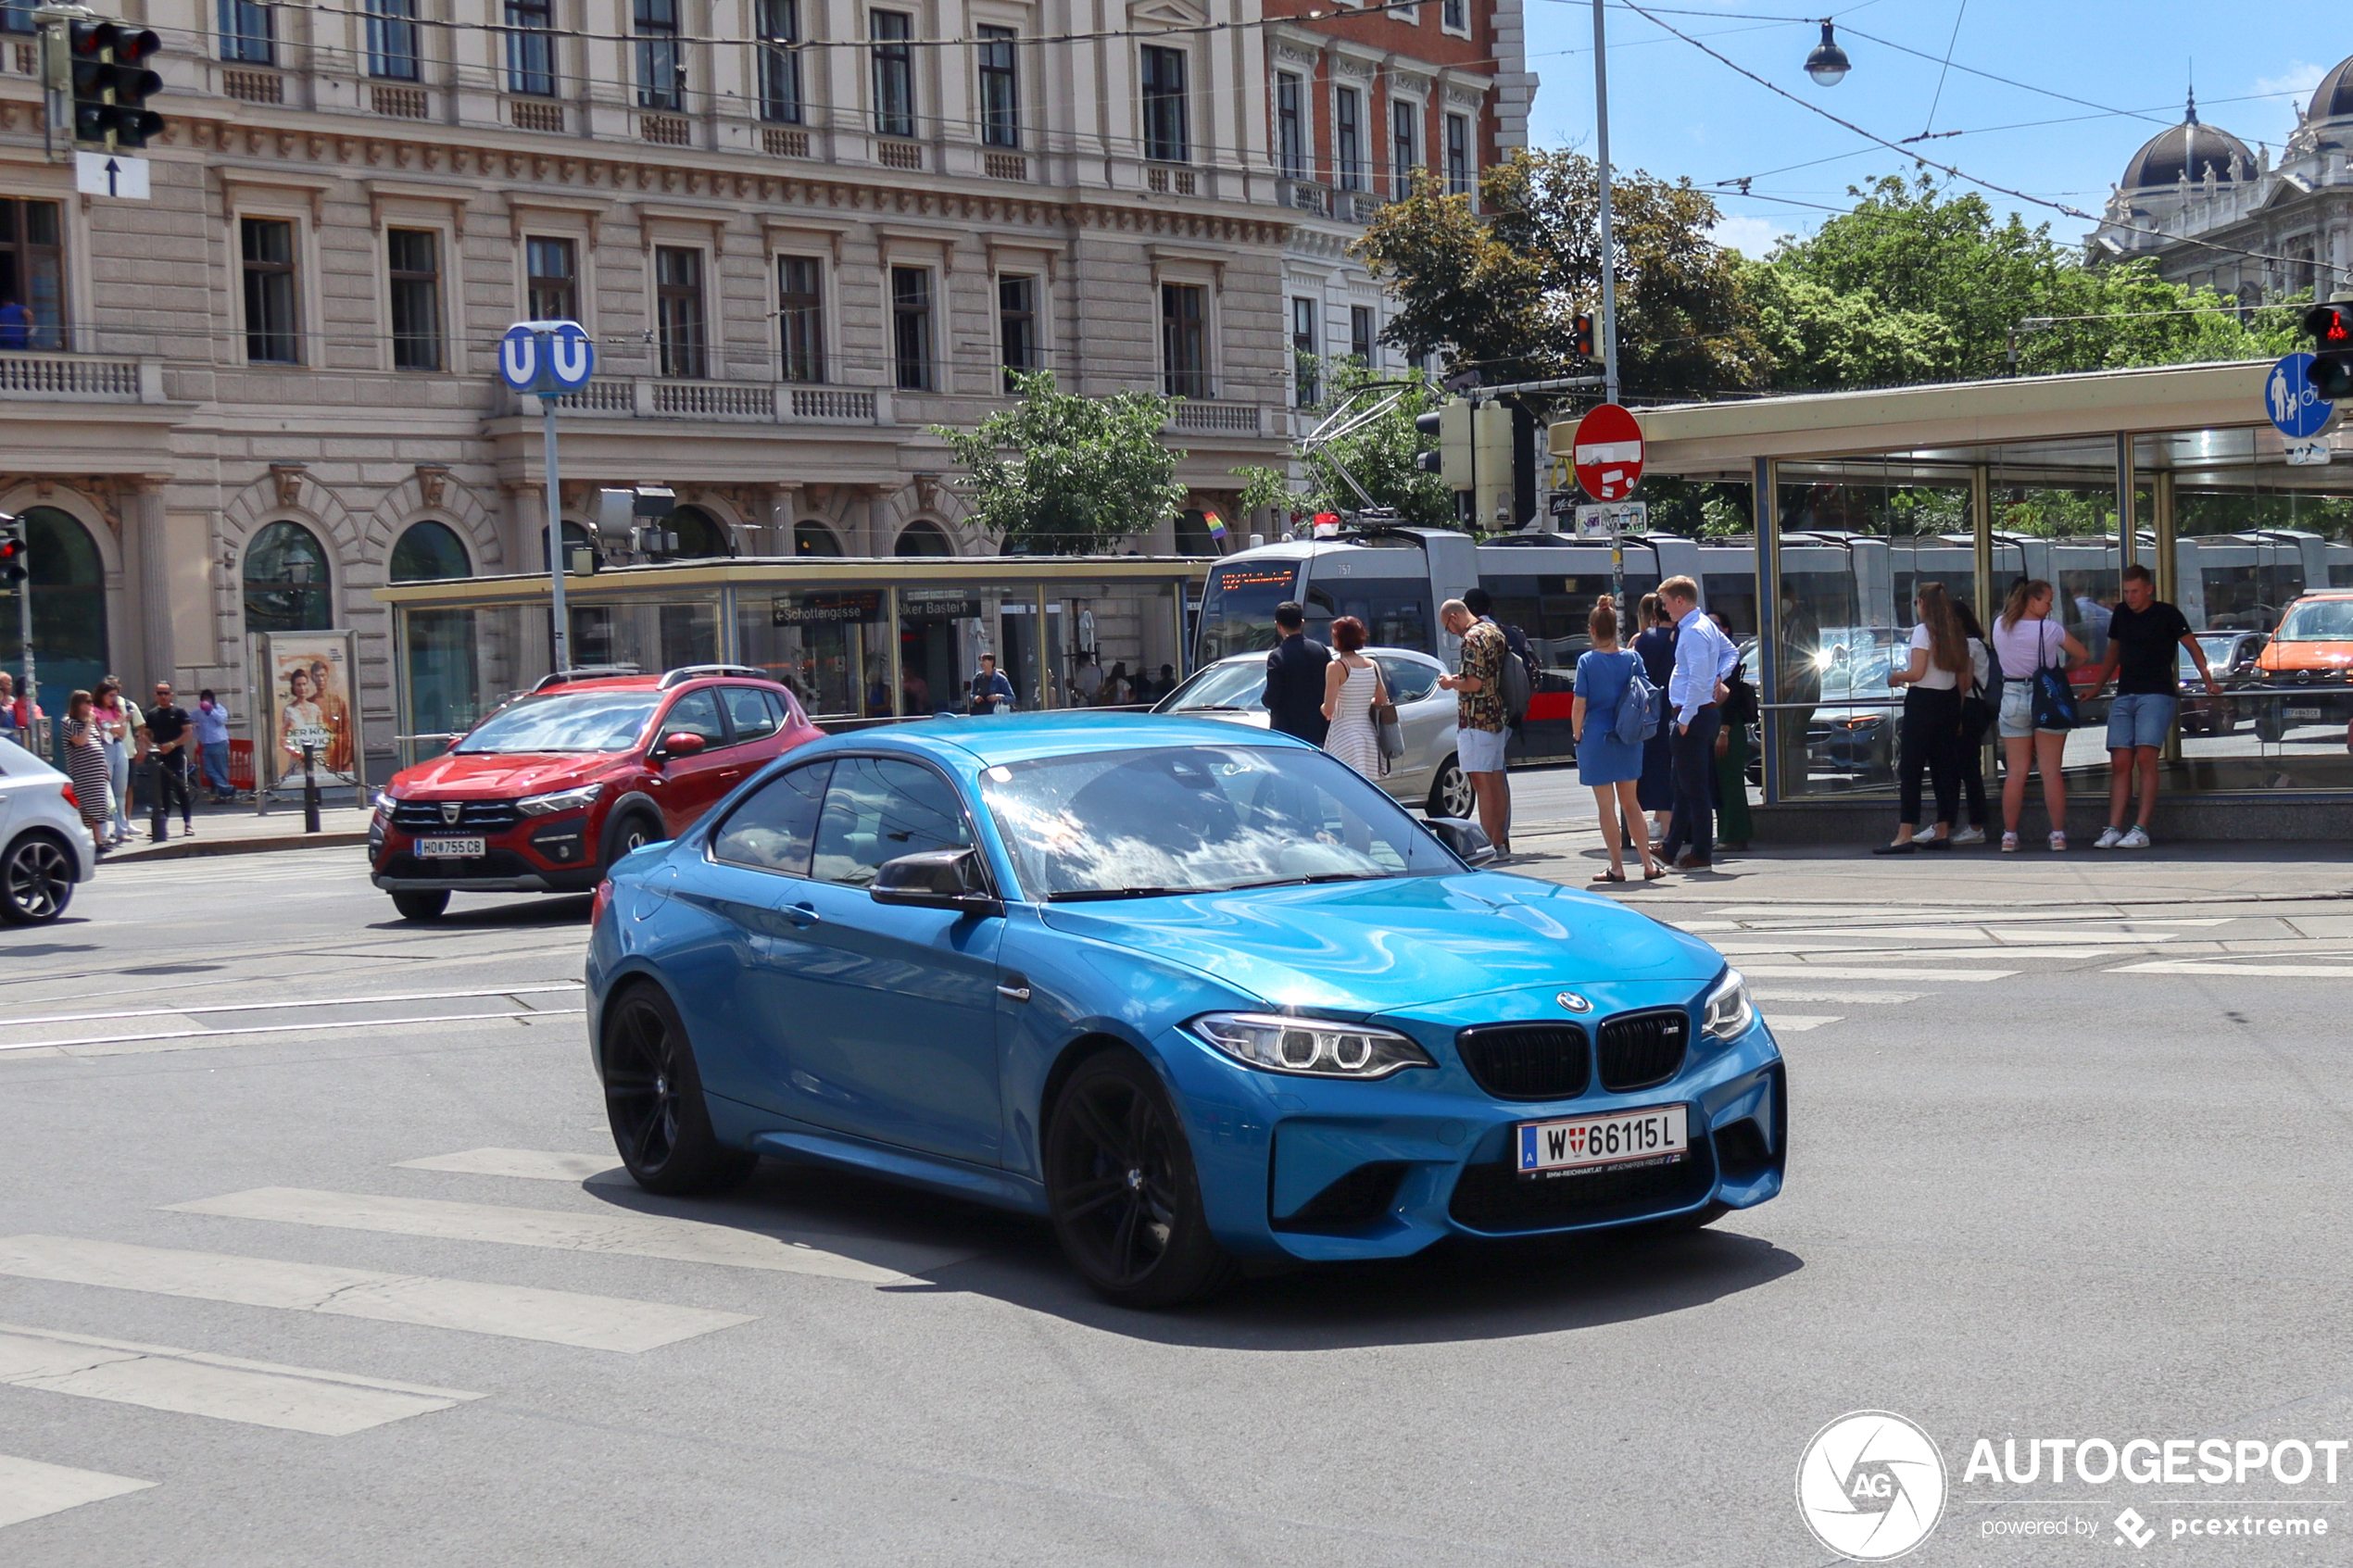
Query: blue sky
[[1674, 111]]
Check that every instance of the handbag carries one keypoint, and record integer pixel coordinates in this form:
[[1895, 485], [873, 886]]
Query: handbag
[[1390, 731], [2055, 698]]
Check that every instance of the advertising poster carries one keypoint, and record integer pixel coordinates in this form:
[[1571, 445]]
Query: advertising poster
[[307, 678]]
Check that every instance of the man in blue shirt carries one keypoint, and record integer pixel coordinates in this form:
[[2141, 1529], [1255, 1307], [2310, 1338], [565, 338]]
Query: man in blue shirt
[[1704, 657], [991, 692]]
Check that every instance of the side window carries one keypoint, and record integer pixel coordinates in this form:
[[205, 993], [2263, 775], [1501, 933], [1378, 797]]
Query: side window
[[775, 827], [1407, 680], [878, 810], [748, 707], [698, 714], [788, 715]]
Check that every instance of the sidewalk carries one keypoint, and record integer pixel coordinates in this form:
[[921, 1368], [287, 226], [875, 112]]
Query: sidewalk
[[236, 830]]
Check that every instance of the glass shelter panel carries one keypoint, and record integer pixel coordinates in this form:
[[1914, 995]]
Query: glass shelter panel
[[826, 644], [1102, 635]]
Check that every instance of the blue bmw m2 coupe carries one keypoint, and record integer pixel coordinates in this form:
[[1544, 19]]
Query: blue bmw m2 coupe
[[1197, 996]]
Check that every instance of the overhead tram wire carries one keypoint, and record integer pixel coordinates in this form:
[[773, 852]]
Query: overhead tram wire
[[2064, 207], [1943, 69]]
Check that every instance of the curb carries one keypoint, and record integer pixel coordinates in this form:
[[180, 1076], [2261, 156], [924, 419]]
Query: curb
[[189, 848]]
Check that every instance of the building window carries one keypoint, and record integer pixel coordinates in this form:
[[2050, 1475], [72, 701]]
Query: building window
[[1348, 132], [678, 301], [1184, 346], [780, 99], [1359, 333], [800, 317], [911, 326], [31, 275], [531, 49], [999, 95], [661, 70], [894, 72], [551, 276], [1458, 181], [287, 587], [1404, 124], [429, 552], [412, 260], [1290, 132], [391, 39], [246, 35], [1017, 325], [16, 16], [1305, 354], [1165, 130], [1454, 15], [271, 326], [921, 538]]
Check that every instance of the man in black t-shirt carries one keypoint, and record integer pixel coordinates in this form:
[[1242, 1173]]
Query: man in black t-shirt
[[2142, 634], [166, 739]]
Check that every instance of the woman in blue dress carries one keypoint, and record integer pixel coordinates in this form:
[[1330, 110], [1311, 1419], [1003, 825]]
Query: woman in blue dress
[[1655, 644], [1611, 766]]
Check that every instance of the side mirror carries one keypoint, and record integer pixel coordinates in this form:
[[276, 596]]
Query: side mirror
[[1466, 839], [686, 743], [935, 879]]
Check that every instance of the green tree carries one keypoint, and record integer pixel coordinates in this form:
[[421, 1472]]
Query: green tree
[[1063, 474], [1380, 455], [1498, 292]]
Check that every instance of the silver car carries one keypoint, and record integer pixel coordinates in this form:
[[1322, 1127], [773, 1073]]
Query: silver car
[[44, 847], [1427, 775]]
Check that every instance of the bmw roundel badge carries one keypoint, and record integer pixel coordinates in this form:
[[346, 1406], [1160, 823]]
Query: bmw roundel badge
[[1574, 1002]]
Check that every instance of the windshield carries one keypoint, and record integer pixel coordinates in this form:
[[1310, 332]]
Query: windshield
[[1238, 610], [2318, 620], [607, 721], [1199, 819], [1241, 685]]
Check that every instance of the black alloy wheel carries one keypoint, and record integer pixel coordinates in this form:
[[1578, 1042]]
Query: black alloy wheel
[[1119, 1179], [653, 1099], [626, 832], [36, 880]]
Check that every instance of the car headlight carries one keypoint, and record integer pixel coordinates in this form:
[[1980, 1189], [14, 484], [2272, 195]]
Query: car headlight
[[1312, 1047], [385, 802], [1727, 1014], [560, 800]]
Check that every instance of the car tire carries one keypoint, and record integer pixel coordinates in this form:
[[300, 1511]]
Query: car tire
[[631, 827], [1450, 791], [422, 904], [36, 880], [653, 1100], [1122, 1189]]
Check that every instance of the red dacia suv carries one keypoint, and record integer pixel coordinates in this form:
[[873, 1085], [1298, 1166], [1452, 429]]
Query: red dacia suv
[[554, 786]]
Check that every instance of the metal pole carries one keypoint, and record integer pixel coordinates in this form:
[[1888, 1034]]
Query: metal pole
[[556, 563], [24, 643], [309, 788], [1609, 249]]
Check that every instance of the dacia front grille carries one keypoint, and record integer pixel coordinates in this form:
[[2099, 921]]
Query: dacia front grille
[[473, 816]]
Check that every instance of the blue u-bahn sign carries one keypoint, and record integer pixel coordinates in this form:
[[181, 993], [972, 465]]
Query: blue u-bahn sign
[[547, 357]]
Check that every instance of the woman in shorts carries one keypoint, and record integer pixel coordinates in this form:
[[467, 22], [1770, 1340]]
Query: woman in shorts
[[2026, 640]]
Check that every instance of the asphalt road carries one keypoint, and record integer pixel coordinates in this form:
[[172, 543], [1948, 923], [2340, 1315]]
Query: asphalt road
[[311, 1252]]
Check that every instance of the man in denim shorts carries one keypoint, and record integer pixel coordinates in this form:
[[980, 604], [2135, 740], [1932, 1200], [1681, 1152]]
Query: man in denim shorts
[[2142, 635]]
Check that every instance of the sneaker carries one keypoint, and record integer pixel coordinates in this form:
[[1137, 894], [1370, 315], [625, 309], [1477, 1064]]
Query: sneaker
[[2058, 844], [2009, 844], [2137, 839], [1969, 836], [2108, 839]]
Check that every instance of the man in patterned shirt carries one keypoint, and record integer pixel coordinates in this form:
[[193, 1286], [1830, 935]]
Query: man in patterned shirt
[[1478, 702]]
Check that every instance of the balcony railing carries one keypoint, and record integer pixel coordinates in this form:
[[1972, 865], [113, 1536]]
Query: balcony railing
[[1328, 201], [649, 397], [1206, 418], [79, 378]]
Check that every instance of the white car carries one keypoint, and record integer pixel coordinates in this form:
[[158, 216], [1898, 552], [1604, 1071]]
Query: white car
[[44, 847], [1427, 775]]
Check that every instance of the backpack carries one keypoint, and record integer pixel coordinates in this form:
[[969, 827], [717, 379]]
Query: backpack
[[1519, 684], [1639, 710]]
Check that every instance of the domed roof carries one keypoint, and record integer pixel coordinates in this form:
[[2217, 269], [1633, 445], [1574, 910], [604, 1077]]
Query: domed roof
[[2333, 99], [2188, 150]]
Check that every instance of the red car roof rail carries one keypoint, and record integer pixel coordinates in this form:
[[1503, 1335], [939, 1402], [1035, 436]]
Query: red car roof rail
[[586, 672], [700, 672]]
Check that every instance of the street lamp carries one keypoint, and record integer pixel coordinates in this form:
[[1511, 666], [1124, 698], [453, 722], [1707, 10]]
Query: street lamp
[[1828, 65]]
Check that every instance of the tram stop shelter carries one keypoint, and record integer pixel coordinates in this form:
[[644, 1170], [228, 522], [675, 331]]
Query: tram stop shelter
[[2066, 478], [861, 640]]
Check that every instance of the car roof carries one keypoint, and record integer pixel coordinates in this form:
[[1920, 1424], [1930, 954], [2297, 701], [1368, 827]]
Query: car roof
[[652, 682], [1368, 650], [1021, 737]]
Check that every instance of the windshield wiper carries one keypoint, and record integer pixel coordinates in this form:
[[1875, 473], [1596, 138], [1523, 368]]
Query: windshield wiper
[[1083, 895], [1320, 876], [1210, 708]]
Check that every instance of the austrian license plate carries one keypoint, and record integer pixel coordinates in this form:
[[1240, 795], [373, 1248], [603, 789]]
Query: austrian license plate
[[1658, 1135], [2302, 713], [448, 849]]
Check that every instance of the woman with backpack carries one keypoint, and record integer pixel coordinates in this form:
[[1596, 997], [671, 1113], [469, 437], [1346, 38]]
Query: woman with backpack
[[1606, 760], [1654, 645], [1930, 737], [2026, 643]]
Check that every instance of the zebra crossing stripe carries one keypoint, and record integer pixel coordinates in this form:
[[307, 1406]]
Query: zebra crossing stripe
[[30, 1489], [531, 1164]]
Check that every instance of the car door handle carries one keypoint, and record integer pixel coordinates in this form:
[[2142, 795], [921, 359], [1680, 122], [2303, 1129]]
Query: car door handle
[[1013, 988], [800, 915]]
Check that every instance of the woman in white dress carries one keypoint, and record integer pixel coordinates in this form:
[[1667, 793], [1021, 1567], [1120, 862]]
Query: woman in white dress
[[1351, 684]]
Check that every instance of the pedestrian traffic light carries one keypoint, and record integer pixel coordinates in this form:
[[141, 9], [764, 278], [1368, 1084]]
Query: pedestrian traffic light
[[1582, 336], [16, 553], [2331, 329], [112, 83]]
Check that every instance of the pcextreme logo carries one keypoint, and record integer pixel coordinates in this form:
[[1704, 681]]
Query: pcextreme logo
[[1871, 1486]]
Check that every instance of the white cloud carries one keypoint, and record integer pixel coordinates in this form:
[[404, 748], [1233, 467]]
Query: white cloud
[[1752, 237], [2300, 79]]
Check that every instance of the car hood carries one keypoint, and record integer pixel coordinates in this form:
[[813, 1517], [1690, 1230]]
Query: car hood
[[482, 777], [2304, 656], [1407, 942], [1254, 716]]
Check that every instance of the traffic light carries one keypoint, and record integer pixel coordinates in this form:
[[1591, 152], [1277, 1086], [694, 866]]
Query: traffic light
[[112, 83], [1430, 427], [1582, 336], [1474, 455], [2331, 329], [16, 554]]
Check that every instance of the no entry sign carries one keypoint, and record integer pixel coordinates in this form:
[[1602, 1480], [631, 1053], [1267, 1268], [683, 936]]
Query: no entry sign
[[1609, 453]]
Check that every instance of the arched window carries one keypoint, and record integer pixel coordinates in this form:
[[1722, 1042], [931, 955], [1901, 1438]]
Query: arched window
[[922, 539], [1192, 536], [287, 584], [429, 551], [815, 539], [699, 535], [69, 607]]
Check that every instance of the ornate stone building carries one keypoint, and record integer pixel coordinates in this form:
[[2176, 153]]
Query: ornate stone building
[[802, 232]]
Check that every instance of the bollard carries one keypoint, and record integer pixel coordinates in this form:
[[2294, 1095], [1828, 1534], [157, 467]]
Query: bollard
[[310, 790]]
